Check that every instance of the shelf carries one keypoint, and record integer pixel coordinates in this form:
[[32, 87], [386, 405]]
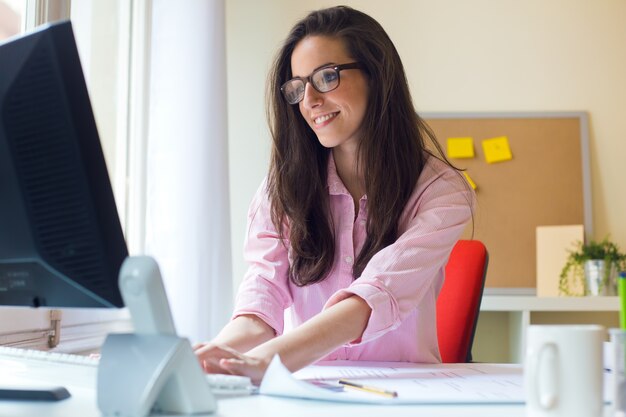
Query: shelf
[[505, 319], [515, 303]]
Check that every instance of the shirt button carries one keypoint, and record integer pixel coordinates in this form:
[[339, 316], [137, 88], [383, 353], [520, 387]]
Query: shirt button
[[348, 260]]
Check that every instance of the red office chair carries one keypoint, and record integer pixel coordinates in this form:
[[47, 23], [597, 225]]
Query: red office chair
[[459, 300]]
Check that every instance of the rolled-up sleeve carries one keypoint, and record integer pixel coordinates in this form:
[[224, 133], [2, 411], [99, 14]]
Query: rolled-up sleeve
[[264, 291], [396, 279]]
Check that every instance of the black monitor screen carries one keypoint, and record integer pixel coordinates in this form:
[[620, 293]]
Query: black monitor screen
[[61, 243]]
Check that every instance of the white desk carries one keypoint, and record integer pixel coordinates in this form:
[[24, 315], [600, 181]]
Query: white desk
[[80, 381]]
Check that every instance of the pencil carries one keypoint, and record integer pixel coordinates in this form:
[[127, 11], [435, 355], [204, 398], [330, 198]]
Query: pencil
[[368, 388]]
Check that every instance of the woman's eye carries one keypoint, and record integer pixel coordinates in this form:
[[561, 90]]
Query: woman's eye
[[330, 76]]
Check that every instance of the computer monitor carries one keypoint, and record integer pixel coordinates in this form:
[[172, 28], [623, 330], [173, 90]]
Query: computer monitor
[[61, 243]]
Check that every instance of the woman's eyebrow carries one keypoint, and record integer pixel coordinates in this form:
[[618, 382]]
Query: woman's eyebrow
[[328, 64]]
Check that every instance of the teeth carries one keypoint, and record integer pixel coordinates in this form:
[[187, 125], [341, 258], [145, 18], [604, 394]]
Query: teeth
[[322, 119]]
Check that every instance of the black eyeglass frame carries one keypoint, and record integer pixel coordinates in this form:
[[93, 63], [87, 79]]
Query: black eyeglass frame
[[309, 79]]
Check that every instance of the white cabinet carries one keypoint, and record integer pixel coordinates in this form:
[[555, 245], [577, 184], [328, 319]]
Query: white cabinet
[[503, 321]]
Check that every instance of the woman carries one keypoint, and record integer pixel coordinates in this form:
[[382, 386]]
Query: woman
[[355, 222]]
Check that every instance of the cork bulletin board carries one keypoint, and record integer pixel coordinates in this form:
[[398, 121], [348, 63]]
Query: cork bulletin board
[[547, 182]]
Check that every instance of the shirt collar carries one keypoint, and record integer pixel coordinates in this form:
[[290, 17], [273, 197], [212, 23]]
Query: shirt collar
[[335, 185]]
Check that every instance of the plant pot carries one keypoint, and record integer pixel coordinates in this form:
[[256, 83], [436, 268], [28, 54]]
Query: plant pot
[[597, 280]]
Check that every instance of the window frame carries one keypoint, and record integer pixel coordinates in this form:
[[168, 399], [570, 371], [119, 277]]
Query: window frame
[[38, 12]]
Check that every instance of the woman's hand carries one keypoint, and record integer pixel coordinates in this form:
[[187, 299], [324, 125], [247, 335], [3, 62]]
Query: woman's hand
[[210, 354], [249, 366], [221, 359]]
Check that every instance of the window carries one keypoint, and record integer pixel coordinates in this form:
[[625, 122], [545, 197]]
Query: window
[[115, 43], [102, 31]]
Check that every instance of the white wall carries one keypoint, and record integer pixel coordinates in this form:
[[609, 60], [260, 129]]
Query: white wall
[[460, 55]]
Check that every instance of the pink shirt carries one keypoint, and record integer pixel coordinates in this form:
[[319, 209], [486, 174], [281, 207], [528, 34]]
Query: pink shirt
[[400, 283]]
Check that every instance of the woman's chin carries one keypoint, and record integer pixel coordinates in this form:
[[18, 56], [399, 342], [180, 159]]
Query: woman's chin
[[328, 142]]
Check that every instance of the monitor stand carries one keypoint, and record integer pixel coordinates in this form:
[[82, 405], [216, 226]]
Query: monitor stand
[[152, 369]]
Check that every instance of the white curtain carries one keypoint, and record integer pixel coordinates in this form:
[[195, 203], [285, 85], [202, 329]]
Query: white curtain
[[187, 202]]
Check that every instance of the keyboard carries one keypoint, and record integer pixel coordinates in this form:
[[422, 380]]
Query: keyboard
[[219, 383], [230, 384], [44, 355]]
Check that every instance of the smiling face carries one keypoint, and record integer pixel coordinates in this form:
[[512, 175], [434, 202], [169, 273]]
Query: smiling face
[[336, 116]]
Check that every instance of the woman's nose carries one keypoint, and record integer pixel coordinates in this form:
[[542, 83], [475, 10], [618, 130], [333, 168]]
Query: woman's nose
[[312, 97]]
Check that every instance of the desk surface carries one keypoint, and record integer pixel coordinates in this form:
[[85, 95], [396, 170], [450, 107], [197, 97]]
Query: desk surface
[[80, 381]]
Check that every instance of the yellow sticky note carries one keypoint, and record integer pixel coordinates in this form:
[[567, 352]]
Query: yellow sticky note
[[469, 180], [460, 148], [497, 149]]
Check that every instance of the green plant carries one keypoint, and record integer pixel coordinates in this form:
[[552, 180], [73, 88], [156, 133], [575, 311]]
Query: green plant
[[574, 272]]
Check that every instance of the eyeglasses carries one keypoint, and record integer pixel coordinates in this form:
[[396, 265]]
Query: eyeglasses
[[323, 80]]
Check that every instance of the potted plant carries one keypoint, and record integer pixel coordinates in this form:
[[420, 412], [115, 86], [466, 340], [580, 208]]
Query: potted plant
[[591, 269]]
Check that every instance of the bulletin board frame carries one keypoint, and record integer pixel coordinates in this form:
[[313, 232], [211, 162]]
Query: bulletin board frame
[[547, 182]]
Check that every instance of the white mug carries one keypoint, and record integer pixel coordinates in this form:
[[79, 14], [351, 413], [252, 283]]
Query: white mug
[[563, 372]]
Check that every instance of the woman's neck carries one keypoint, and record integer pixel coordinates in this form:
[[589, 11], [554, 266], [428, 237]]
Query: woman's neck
[[346, 163]]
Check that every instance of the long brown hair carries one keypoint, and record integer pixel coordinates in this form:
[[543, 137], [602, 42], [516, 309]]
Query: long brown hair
[[391, 151]]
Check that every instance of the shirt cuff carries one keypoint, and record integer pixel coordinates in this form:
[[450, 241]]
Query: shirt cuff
[[274, 324], [385, 313], [259, 297]]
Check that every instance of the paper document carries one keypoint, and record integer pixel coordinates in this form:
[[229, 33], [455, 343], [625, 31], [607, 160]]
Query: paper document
[[414, 383]]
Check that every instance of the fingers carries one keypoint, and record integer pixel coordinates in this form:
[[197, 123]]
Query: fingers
[[210, 354], [247, 366], [233, 365], [218, 351], [198, 346], [242, 367], [222, 359]]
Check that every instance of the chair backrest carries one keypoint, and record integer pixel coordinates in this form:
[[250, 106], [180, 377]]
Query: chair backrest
[[458, 303]]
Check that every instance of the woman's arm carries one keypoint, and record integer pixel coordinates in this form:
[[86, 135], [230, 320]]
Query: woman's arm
[[342, 323], [240, 334]]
